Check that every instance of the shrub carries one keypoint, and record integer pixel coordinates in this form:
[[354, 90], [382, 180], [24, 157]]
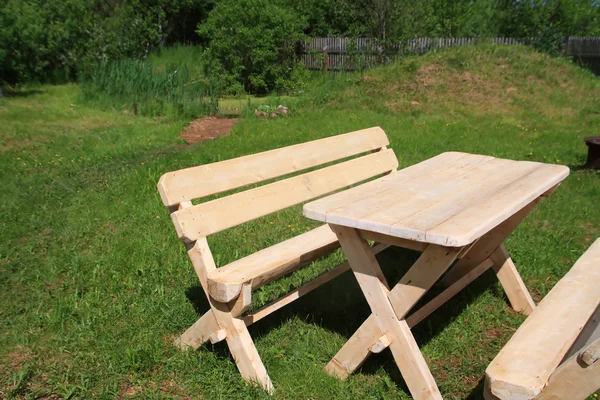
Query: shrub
[[252, 45]]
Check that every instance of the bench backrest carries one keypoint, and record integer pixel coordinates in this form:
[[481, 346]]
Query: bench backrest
[[201, 220]]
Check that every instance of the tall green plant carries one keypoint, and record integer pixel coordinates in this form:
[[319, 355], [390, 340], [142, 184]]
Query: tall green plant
[[172, 90]]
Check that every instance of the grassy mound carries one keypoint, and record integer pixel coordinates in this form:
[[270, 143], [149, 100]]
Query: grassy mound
[[96, 285]]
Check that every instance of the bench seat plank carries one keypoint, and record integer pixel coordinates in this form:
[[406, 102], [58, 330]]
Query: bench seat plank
[[225, 283], [524, 365]]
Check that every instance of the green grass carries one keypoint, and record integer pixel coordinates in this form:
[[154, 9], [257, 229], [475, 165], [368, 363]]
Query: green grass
[[95, 284]]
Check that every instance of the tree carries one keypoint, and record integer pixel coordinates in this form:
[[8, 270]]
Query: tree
[[252, 42]]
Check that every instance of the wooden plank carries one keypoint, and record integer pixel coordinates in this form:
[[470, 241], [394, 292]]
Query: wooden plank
[[486, 183], [216, 215], [405, 350], [487, 244], [198, 333], [394, 241], [196, 182], [447, 294], [355, 351], [302, 290], [238, 338], [261, 267], [434, 261], [403, 198], [523, 366], [470, 224], [320, 209], [572, 381], [511, 281]]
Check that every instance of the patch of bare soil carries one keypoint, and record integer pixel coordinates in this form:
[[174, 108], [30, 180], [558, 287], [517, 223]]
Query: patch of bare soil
[[207, 128]]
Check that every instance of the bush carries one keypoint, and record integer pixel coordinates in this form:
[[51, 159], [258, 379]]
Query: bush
[[170, 90], [252, 45]]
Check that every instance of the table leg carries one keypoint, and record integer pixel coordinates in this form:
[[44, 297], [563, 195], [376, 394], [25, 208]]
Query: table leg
[[511, 281], [404, 348]]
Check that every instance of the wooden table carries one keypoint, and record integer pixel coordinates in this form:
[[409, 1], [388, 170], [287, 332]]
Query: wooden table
[[454, 206]]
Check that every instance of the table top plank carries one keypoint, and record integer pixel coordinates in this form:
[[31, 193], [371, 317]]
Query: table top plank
[[417, 195], [475, 221], [348, 197], [375, 205], [429, 217], [451, 199]]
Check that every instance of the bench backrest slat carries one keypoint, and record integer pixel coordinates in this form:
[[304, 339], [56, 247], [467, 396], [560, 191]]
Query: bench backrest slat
[[201, 181], [213, 216]]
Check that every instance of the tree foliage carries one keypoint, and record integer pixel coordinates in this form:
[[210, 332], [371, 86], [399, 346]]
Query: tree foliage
[[250, 42]]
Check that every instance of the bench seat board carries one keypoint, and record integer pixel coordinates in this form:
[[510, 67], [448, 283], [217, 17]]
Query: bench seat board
[[523, 367], [225, 283]]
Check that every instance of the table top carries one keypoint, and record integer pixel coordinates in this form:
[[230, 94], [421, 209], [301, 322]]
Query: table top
[[451, 199]]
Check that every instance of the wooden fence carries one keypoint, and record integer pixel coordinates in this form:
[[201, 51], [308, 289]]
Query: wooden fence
[[360, 53]]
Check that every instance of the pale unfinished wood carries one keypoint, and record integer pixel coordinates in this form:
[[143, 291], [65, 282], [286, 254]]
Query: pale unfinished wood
[[447, 294], [591, 354], [511, 281], [377, 187], [257, 269], [394, 241], [355, 351], [198, 333], [589, 334], [302, 290], [217, 336], [229, 289], [243, 300], [404, 348], [197, 182], [481, 217], [571, 380], [380, 344], [402, 196], [238, 338], [487, 244], [216, 215], [524, 365], [450, 204], [434, 261]]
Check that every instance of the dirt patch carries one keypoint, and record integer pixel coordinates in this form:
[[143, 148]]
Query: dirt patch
[[207, 128], [17, 358]]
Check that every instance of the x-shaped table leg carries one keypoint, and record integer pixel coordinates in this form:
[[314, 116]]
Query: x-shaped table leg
[[389, 307], [372, 336]]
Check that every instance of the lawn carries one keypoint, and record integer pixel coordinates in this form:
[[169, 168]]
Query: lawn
[[95, 284]]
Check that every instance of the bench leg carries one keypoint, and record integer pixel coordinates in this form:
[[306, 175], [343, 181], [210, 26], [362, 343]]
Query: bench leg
[[198, 333], [405, 350], [511, 281], [234, 329]]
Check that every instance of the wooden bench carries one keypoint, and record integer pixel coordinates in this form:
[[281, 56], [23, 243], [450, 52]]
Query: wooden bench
[[229, 288], [555, 353]]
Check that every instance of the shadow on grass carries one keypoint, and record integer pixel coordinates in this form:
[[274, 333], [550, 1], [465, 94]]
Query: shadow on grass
[[341, 307], [9, 92], [477, 392]]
